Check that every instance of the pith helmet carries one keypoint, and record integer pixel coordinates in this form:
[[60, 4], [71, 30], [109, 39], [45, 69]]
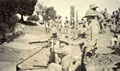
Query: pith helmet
[[93, 6], [90, 13]]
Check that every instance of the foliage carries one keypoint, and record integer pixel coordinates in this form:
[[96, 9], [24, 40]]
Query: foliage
[[50, 11], [34, 18], [8, 9], [26, 7]]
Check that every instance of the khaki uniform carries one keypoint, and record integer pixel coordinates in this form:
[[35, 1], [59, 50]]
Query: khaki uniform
[[92, 35], [50, 24], [57, 23], [47, 27], [60, 24], [54, 30], [66, 26], [99, 17], [66, 57], [119, 17], [93, 32], [73, 23], [62, 56], [54, 67], [75, 64]]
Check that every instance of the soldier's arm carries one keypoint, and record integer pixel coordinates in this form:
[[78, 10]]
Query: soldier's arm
[[61, 50]]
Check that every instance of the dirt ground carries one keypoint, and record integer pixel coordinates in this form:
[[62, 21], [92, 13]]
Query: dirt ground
[[14, 52]]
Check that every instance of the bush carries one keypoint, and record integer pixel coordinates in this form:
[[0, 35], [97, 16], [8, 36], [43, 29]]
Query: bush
[[34, 18], [12, 36], [50, 11]]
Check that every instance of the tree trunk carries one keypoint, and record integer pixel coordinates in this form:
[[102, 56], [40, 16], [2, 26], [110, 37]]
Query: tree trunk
[[21, 20]]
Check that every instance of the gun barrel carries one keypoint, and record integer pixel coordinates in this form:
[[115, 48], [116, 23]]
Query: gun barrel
[[35, 42]]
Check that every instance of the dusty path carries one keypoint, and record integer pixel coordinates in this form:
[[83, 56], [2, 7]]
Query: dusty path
[[104, 42]]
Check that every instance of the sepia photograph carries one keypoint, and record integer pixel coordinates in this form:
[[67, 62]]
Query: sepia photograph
[[59, 35]]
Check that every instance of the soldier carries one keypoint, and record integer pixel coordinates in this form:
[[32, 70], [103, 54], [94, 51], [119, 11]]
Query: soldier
[[72, 23], [54, 43], [114, 23], [65, 55], [60, 24], [118, 25], [54, 29], [84, 22], [105, 14], [50, 23], [46, 27], [72, 31], [81, 29], [66, 25], [57, 23], [92, 32], [80, 24], [99, 16], [104, 25], [116, 13], [93, 29], [74, 65], [113, 18], [114, 41]]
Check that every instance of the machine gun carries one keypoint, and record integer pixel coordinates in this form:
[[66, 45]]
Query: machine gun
[[36, 42], [47, 41], [33, 42]]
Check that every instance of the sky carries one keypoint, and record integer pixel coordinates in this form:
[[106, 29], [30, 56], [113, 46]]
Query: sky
[[63, 6]]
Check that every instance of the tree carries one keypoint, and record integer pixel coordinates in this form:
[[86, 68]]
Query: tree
[[7, 19], [26, 7], [50, 12], [8, 9]]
